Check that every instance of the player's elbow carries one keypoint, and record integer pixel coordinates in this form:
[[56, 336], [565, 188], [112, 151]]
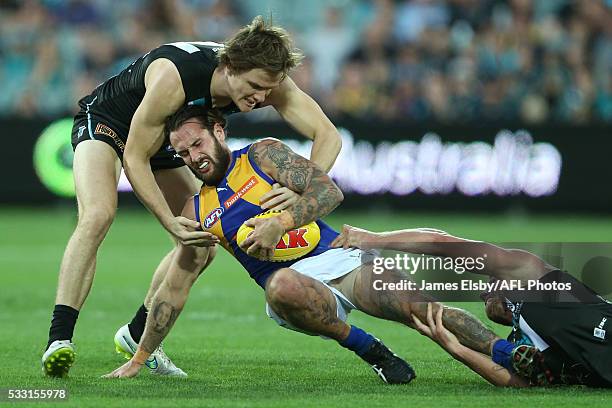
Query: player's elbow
[[327, 135], [131, 160], [334, 140], [135, 155], [514, 382], [434, 236], [339, 193], [336, 194]]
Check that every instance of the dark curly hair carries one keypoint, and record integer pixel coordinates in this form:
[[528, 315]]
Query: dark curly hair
[[207, 117]]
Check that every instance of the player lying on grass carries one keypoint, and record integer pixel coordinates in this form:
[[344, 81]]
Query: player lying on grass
[[558, 337], [312, 294]]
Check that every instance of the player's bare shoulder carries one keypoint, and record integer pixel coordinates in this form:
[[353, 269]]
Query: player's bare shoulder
[[162, 69], [260, 150], [284, 165], [163, 83]]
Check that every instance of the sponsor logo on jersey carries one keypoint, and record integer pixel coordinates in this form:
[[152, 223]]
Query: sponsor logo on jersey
[[599, 331], [81, 130], [102, 129], [252, 182], [295, 239], [212, 217]]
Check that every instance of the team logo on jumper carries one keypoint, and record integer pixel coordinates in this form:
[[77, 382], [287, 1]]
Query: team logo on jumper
[[599, 331], [252, 182], [106, 131], [212, 217]]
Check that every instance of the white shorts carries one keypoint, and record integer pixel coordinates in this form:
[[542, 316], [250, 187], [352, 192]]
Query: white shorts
[[326, 267]]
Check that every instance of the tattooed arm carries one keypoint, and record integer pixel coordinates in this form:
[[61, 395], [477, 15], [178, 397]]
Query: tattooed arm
[[470, 331], [172, 294], [168, 301], [479, 363], [319, 195]]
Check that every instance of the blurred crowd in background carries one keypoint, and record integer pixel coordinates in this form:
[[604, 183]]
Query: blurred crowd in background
[[415, 60]]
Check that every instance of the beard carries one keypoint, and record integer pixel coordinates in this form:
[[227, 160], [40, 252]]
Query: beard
[[220, 163]]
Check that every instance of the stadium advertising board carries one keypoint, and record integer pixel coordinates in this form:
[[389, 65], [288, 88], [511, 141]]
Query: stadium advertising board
[[391, 164]]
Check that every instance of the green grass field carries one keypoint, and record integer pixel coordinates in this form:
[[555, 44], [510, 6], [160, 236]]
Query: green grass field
[[234, 354]]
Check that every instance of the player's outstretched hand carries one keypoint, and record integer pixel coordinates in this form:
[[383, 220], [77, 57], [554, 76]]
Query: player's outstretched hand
[[129, 369], [436, 331], [188, 232], [353, 237], [279, 198], [262, 241]]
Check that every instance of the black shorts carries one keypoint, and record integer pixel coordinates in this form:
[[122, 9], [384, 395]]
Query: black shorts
[[578, 334], [90, 126]]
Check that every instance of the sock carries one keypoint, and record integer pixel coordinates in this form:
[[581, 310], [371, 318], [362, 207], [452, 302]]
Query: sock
[[62, 324], [358, 341], [137, 325], [501, 353]]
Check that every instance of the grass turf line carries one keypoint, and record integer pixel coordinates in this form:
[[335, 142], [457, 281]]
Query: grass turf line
[[234, 354]]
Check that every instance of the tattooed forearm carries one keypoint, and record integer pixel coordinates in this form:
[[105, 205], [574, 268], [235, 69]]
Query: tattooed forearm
[[469, 330], [319, 198], [319, 194], [161, 318]]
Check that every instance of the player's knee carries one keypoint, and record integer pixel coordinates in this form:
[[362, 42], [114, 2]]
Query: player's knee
[[284, 288], [212, 251], [202, 258], [192, 257], [96, 221]]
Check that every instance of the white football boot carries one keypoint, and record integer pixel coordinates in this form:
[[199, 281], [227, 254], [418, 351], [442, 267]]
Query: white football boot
[[158, 363], [58, 359]]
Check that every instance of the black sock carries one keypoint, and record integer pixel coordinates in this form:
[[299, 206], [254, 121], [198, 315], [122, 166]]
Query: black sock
[[137, 325], [62, 324]]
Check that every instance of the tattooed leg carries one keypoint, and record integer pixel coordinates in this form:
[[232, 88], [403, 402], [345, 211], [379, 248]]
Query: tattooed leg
[[399, 305], [305, 303]]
